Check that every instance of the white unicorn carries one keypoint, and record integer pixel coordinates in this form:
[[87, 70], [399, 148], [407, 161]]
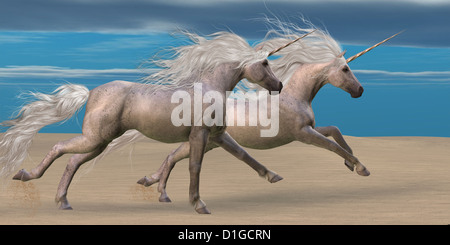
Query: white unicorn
[[304, 68], [218, 63]]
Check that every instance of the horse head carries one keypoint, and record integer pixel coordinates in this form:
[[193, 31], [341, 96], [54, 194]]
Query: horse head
[[340, 75]]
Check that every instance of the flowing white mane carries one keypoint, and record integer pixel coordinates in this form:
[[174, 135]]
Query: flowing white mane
[[318, 47], [189, 63]]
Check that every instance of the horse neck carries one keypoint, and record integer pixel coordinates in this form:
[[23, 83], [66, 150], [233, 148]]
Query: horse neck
[[306, 82], [224, 77]]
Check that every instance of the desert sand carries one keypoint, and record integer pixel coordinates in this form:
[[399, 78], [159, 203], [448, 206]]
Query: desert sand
[[409, 184]]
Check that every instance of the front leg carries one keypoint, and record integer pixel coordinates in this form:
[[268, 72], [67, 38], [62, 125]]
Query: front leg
[[197, 140], [229, 144], [334, 132], [310, 136]]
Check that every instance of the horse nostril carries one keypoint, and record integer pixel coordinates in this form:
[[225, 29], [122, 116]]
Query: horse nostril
[[281, 87], [361, 90]]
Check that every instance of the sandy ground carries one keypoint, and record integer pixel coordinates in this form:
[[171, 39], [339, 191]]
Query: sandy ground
[[409, 184]]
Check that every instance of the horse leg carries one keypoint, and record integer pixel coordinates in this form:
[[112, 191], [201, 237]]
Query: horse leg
[[334, 132], [197, 140], [79, 144], [74, 163], [229, 144], [310, 136], [177, 155], [155, 177], [163, 173]]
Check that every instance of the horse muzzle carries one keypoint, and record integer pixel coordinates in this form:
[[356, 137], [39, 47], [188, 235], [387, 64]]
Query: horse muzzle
[[358, 93], [278, 89]]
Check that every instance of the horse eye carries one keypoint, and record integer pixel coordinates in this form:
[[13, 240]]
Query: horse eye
[[265, 62], [345, 69]]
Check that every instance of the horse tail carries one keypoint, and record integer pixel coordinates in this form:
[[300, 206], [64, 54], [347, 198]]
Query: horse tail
[[47, 109], [129, 137]]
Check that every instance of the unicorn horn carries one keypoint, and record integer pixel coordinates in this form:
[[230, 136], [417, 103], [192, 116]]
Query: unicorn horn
[[367, 50], [289, 43]]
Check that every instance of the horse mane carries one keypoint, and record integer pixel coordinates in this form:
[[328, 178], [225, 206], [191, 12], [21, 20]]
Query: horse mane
[[318, 47], [188, 63]]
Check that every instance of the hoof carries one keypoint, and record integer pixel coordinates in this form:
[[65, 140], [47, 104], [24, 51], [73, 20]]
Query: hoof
[[22, 175], [164, 198], [363, 171], [146, 181], [200, 207], [203, 210], [349, 165], [65, 207], [273, 177], [64, 203]]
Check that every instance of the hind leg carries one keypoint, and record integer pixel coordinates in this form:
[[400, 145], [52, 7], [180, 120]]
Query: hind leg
[[80, 144], [177, 155], [74, 164]]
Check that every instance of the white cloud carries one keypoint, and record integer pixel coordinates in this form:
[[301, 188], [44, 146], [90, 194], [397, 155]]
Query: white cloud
[[145, 27], [64, 72], [119, 43], [401, 73], [18, 38], [427, 76]]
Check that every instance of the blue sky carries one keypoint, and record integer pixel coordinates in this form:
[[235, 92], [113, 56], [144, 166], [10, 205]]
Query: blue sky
[[407, 80]]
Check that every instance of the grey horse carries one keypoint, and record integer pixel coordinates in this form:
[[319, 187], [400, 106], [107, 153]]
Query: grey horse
[[218, 64]]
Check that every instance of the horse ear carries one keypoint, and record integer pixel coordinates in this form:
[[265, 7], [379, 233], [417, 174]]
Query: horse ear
[[259, 47], [335, 60]]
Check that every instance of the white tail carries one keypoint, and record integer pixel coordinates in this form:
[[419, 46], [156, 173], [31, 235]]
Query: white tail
[[58, 106], [129, 137]]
